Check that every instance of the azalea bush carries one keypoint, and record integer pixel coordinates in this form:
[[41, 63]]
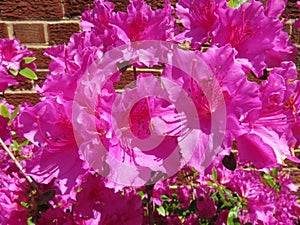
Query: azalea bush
[[199, 135]]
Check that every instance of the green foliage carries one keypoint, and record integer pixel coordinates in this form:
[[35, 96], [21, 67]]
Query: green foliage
[[223, 197], [233, 216], [13, 115], [272, 179], [236, 3], [29, 221], [214, 175], [14, 72], [28, 73], [18, 147], [28, 60], [4, 111]]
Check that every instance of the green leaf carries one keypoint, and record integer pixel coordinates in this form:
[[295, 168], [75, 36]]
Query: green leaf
[[141, 194], [228, 193], [29, 221], [28, 73], [275, 172], [161, 210], [4, 111], [164, 197], [13, 115], [269, 179], [174, 195], [24, 143], [211, 184], [24, 204], [214, 175], [14, 72], [221, 193], [28, 60], [236, 3], [233, 216]]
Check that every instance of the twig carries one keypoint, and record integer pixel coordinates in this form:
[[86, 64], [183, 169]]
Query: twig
[[149, 191], [28, 178], [134, 73]]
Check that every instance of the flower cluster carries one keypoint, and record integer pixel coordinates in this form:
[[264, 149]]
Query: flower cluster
[[92, 154], [226, 197], [16, 63]]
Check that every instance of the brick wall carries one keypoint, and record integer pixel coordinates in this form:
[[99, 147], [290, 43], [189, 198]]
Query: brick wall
[[42, 23]]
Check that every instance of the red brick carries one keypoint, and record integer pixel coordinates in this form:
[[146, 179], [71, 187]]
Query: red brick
[[296, 176], [60, 33], [296, 35], [74, 8], [120, 5], [291, 11], [127, 79], [29, 33], [297, 59], [41, 61], [23, 85], [291, 163], [41, 78], [17, 99], [287, 27], [158, 4], [42, 75], [3, 30], [31, 9]]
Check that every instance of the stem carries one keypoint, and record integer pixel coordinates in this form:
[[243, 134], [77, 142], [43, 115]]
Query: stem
[[11, 155], [134, 73], [149, 190]]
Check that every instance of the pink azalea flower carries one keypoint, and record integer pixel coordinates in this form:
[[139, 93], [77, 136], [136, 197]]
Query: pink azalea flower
[[142, 23], [191, 220], [269, 129], [48, 126], [148, 136], [206, 208], [93, 198], [98, 18], [294, 104], [99, 21], [222, 218], [184, 196], [283, 50], [198, 19], [5, 133], [239, 97], [265, 204], [11, 57], [12, 54], [13, 190], [297, 22], [161, 187], [68, 64], [296, 132], [247, 27], [6, 80], [173, 219], [274, 8], [259, 197]]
